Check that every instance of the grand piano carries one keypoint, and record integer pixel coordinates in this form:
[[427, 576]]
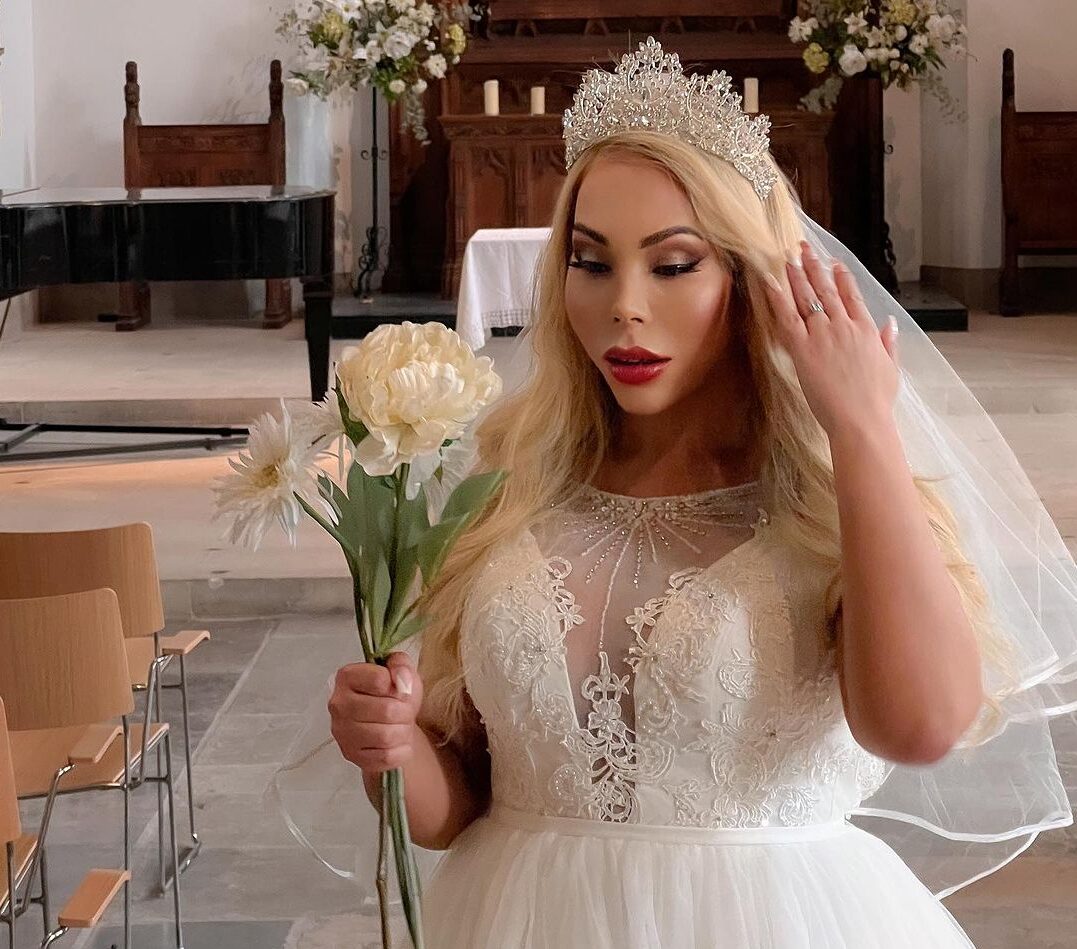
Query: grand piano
[[80, 235]]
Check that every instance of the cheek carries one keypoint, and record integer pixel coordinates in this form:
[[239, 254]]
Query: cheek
[[585, 305], [700, 307]]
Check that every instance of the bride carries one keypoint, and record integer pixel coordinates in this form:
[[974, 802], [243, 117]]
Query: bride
[[713, 611]]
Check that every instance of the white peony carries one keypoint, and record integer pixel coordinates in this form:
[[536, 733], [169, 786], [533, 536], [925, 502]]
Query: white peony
[[297, 86], [414, 386], [941, 28], [397, 43], [419, 86], [900, 32], [373, 51], [800, 31], [919, 44], [852, 61], [437, 66], [397, 86]]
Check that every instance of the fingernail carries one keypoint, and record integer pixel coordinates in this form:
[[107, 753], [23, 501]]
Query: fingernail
[[794, 258], [809, 252], [403, 681], [773, 281], [893, 323]]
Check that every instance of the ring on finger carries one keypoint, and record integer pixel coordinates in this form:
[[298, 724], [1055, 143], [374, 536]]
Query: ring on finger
[[816, 307]]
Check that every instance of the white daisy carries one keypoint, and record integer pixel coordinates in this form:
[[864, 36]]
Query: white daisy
[[277, 465]]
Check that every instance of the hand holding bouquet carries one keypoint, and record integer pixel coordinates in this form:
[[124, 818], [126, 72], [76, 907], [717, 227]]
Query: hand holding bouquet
[[402, 397]]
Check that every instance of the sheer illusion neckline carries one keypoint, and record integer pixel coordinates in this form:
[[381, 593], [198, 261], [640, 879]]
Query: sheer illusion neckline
[[727, 491]]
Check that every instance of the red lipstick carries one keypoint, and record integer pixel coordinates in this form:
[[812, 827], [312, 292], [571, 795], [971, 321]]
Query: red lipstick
[[634, 366]]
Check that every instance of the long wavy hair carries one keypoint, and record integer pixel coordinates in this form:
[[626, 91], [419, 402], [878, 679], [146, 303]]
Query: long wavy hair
[[554, 431]]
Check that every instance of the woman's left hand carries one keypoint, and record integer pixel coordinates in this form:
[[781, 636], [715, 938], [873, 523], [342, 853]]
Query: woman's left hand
[[846, 365]]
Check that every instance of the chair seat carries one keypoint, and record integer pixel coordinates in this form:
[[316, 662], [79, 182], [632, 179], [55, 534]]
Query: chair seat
[[39, 754], [89, 902], [24, 855]]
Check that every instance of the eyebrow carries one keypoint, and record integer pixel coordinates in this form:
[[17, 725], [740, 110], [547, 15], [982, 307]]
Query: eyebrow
[[656, 238]]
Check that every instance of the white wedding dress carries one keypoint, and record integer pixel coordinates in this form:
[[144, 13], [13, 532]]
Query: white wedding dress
[[671, 765]]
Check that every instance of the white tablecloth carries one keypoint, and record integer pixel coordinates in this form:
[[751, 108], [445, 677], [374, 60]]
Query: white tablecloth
[[496, 280]]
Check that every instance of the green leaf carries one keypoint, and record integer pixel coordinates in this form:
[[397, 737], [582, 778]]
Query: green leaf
[[472, 495], [376, 594], [406, 628], [437, 543], [375, 504], [353, 428]]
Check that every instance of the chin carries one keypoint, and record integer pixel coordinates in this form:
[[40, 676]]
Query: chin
[[642, 400]]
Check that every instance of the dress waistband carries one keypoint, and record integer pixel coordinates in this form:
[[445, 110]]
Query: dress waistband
[[663, 833]]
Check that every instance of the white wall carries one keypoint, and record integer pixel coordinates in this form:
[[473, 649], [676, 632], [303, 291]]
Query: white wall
[[16, 95], [199, 61], [962, 195]]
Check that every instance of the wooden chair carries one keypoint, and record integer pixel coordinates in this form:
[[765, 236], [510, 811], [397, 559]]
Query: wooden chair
[[64, 676], [1039, 199], [122, 559], [170, 156]]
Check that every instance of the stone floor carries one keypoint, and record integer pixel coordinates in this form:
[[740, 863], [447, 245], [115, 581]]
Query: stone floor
[[279, 625]]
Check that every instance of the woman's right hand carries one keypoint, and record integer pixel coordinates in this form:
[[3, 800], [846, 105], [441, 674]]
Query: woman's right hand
[[374, 710]]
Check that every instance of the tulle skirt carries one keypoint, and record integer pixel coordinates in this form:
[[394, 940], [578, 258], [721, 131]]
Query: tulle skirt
[[515, 880]]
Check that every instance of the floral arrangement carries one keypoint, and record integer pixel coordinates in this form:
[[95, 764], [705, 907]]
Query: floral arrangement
[[396, 46], [901, 40], [402, 401]]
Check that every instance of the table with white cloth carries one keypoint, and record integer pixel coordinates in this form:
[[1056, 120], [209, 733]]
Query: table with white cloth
[[496, 280]]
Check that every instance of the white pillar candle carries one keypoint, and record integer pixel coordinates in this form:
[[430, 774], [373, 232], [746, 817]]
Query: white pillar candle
[[490, 98], [538, 100], [751, 95]]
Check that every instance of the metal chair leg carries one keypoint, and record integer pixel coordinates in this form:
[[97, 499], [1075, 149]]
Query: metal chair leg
[[11, 894], [172, 835], [43, 879], [126, 833], [196, 843]]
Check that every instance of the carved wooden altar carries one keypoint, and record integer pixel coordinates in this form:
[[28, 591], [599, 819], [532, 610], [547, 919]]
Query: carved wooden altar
[[487, 171]]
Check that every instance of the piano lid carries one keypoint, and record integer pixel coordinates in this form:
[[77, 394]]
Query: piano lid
[[46, 197]]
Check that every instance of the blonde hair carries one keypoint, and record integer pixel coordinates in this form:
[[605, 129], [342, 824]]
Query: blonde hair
[[554, 431]]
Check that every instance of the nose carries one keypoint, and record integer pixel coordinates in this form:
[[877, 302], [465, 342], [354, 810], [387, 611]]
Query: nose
[[630, 300]]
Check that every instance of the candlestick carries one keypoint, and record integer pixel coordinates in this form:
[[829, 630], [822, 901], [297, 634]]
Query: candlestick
[[538, 100], [751, 95], [490, 97]]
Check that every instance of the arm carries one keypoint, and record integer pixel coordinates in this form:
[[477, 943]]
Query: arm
[[907, 654], [446, 786]]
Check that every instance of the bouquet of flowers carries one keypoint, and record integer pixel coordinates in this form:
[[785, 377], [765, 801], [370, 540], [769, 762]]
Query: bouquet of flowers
[[901, 40], [402, 400], [397, 46]]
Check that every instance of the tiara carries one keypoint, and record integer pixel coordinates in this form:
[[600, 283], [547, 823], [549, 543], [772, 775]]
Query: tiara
[[649, 90]]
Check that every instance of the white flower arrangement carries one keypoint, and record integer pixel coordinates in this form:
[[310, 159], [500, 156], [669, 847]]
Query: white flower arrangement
[[903, 41], [396, 424], [393, 45]]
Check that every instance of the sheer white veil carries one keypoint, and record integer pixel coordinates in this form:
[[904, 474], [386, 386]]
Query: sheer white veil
[[952, 822]]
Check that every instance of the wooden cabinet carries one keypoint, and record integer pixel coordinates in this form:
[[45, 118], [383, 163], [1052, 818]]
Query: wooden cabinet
[[507, 170], [504, 171]]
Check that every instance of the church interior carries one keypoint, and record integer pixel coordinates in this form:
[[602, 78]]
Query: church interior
[[189, 239]]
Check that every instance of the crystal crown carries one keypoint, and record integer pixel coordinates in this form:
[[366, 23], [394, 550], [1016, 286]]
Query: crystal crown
[[649, 90]]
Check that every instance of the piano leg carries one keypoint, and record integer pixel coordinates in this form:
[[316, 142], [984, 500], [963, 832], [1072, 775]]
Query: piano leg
[[134, 306], [318, 302]]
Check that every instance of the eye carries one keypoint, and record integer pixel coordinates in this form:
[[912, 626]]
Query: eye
[[675, 270], [590, 266]]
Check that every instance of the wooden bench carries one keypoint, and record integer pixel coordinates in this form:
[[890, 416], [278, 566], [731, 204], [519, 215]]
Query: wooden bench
[[1039, 194]]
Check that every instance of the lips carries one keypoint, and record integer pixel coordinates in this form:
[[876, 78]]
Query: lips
[[634, 366]]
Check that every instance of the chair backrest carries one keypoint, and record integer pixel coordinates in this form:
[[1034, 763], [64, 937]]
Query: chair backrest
[[170, 156], [120, 558], [63, 661], [10, 826]]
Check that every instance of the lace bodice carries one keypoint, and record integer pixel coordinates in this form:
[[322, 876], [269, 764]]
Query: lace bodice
[[660, 661]]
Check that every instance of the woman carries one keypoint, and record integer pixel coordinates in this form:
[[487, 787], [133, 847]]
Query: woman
[[712, 608]]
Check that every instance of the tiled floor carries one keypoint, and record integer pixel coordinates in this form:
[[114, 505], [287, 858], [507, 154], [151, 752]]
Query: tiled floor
[[278, 631]]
